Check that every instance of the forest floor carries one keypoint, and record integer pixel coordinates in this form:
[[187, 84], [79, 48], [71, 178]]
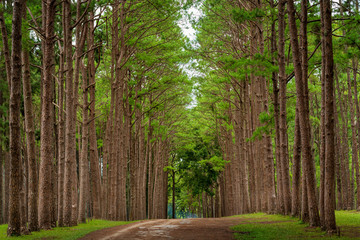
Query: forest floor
[[64, 233], [258, 226], [263, 226], [250, 226]]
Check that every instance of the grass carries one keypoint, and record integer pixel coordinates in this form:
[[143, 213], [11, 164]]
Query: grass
[[263, 226], [66, 233]]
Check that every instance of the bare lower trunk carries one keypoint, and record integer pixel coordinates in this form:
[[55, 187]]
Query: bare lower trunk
[[84, 163], [329, 190], [15, 135], [285, 178], [301, 92], [70, 156], [296, 184], [46, 151], [30, 144], [356, 103], [94, 158], [61, 142]]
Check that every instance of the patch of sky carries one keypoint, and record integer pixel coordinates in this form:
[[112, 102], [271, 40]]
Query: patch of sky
[[190, 15]]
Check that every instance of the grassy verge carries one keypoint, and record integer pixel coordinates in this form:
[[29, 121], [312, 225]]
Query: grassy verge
[[66, 233], [263, 226]]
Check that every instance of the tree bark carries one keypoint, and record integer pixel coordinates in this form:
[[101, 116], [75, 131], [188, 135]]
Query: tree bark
[[285, 180], [30, 143], [84, 163], [356, 103], [329, 189], [296, 184], [94, 157], [70, 154], [46, 137], [61, 140], [14, 120], [301, 93]]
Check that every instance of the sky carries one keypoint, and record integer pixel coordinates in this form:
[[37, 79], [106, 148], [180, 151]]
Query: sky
[[192, 13]]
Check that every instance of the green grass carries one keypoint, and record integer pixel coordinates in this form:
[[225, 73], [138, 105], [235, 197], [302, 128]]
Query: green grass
[[65, 233], [263, 226]]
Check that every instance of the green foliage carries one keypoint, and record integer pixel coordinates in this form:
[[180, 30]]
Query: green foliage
[[242, 15]]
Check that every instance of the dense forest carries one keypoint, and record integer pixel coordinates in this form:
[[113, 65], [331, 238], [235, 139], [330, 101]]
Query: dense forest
[[109, 110]]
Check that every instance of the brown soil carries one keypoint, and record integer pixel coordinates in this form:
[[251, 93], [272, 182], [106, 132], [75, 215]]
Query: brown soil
[[185, 229], [194, 229]]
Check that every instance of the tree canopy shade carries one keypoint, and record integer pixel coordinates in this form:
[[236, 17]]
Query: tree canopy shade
[[113, 123]]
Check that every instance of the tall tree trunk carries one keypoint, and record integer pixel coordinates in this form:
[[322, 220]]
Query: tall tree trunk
[[15, 135], [46, 137], [322, 133], [296, 184], [94, 158], [7, 57], [350, 181], [70, 154], [356, 103], [344, 152], [301, 93], [329, 187], [30, 142], [84, 163], [285, 181], [61, 140]]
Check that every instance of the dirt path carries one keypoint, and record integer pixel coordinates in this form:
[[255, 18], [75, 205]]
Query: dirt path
[[184, 229]]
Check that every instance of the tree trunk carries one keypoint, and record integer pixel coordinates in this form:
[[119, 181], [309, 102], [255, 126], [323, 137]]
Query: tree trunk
[[70, 154], [61, 141], [285, 180], [350, 181], [46, 138], [344, 152], [94, 158], [6, 186], [329, 187], [356, 103], [84, 163], [296, 184], [30, 143], [15, 134], [301, 92]]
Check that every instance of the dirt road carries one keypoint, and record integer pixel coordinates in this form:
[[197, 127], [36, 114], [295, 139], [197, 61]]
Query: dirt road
[[184, 229]]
